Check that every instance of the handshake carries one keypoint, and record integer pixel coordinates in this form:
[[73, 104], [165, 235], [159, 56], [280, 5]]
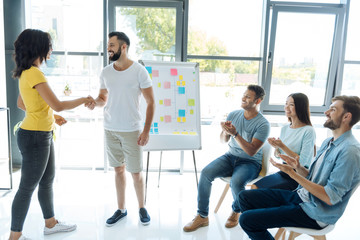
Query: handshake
[[89, 102]]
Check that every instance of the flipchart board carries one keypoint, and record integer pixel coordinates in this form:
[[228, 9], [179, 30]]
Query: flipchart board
[[176, 123]]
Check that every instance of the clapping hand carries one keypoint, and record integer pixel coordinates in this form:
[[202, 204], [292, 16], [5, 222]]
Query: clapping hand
[[286, 168], [275, 142], [228, 128]]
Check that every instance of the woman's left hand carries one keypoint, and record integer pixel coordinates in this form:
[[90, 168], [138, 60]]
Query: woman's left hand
[[59, 120]]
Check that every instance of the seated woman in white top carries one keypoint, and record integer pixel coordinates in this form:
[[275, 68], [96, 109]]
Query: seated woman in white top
[[297, 140]]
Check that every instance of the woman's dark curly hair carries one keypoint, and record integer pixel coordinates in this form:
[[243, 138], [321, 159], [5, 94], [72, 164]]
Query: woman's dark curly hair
[[29, 46]]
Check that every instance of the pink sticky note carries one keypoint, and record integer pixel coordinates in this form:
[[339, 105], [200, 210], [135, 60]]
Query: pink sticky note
[[173, 72], [155, 73], [167, 118], [167, 84], [167, 102]]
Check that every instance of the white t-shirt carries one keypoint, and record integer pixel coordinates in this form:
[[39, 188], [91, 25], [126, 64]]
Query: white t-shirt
[[121, 112]]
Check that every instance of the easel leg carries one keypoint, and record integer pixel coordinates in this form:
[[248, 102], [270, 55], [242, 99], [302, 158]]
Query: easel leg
[[159, 168], [147, 171], [197, 182]]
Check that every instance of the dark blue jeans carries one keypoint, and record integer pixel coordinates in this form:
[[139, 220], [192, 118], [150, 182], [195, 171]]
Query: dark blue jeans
[[271, 208], [38, 169], [241, 170]]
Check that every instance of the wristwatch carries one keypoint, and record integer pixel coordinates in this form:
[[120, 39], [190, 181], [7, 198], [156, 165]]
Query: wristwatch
[[234, 136]]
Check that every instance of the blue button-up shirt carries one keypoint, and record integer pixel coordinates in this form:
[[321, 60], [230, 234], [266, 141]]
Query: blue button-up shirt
[[339, 174]]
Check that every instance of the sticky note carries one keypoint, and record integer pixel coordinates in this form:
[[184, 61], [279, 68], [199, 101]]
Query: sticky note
[[185, 133], [156, 130], [180, 77], [181, 113], [167, 102], [161, 119], [159, 85], [176, 133], [178, 83], [167, 85], [149, 69], [179, 119], [150, 76], [191, 111], [173, 71], [161, 102], [167, 118], [191, 102], [193, 133], [155, 124], [151, 130], [155, 73], [183, 83], [183, 119], [181, 90]]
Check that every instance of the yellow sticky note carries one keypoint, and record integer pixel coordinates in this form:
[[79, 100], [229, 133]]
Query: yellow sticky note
[[185, 133], [193, 133], [183, 119], [161, 102], [161, 119], [176, 132], [191, 111], [180, 77], [159, 85], [183, 83], [179, 119], [178, 83]]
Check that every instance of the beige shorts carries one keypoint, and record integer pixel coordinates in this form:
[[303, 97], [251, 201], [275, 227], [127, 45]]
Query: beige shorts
[[122, 148]]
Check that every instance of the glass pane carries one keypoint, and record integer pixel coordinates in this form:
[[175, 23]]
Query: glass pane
[[209, 33], [151, 31], [353, 35], [351, 80], [311, 1], [73, 25], [222, 84], [302, 56]]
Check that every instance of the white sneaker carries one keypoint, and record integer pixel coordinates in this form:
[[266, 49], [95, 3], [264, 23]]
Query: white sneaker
[[60, 227], [22, 237]]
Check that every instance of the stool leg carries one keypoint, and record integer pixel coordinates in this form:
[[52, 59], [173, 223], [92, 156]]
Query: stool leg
[[222, 197]]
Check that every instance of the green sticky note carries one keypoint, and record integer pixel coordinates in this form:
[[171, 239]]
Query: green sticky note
[[191, 102]]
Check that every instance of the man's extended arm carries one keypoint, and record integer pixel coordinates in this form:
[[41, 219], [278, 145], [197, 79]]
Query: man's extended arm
[[150, 110]]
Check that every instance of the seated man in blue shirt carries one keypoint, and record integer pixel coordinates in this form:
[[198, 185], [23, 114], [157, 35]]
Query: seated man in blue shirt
[[246, 130], [324, 190]]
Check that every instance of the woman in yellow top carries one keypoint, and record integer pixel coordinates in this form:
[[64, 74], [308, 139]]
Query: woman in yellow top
[[35, 135]]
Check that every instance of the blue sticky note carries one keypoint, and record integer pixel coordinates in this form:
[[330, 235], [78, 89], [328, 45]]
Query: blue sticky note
[[181, 90], [151, 130], [181, 113], [149, 69], [156, 130], [155, 124]]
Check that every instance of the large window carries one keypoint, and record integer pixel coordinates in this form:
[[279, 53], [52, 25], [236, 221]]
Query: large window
[[226, 41], [76, 28]]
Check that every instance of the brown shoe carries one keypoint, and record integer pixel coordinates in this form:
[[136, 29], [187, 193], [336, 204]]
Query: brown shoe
[[196, 223], [233, 220]]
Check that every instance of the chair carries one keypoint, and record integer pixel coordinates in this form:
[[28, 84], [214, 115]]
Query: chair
[[267, 149], [295, 232]]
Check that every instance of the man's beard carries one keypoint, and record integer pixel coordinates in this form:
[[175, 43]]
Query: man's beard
[[115, 56], [333, 124]]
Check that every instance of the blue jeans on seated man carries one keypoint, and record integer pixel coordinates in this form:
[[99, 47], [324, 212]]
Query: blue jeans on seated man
[[241, 171], [271, 208]]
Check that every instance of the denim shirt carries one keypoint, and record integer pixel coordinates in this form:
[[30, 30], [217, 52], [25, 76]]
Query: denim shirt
[[339, 174]]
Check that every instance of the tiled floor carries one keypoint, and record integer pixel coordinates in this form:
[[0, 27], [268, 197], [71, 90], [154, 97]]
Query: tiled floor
[[87, 198]]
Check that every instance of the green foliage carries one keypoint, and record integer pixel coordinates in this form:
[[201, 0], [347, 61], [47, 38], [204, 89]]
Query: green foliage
[[155, 27]]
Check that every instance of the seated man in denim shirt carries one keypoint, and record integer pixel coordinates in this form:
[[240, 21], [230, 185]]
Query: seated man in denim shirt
[[324, 190]]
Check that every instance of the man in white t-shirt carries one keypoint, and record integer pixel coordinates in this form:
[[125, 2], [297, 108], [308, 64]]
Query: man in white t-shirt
[[121, 84]]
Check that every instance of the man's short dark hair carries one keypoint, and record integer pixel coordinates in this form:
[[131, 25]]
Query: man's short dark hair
[[121, 37], [258, 90], [351, 105]]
